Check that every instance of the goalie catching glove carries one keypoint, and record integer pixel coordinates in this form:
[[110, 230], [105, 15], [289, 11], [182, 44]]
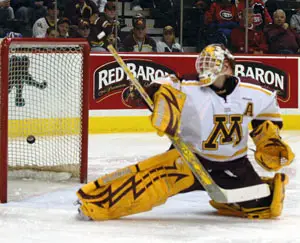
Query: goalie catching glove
[[271, 152], [168, 105]]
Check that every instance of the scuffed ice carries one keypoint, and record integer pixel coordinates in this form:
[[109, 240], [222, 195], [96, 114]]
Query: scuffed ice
[[43, 212]]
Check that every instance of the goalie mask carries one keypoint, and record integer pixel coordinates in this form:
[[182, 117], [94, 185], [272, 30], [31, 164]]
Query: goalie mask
[[210, 62]]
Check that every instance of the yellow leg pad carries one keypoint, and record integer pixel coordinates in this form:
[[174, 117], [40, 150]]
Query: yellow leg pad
[[277, 185], [120, 174], [138, 192]]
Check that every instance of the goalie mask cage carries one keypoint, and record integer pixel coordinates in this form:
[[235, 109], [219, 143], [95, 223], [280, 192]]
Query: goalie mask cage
[[44, 108]]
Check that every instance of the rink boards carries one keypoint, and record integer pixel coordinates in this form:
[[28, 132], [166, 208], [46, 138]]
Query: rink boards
[[103, 122], [106, 122], [112, 110]]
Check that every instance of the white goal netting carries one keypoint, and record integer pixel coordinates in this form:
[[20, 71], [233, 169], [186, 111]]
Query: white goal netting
[[45, 95]]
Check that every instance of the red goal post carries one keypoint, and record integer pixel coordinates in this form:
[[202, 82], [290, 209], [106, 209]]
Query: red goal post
[[43, 108]]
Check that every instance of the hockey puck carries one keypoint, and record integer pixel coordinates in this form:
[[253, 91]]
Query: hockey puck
[[30, 139]]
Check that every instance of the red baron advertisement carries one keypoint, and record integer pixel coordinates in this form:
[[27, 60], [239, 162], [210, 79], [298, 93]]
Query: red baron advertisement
[[111, 88]]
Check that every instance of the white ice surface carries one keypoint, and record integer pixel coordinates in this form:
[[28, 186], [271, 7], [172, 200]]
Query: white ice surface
[[43, 212]]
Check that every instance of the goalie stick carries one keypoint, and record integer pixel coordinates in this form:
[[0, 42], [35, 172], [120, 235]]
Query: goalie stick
[[217, 193]]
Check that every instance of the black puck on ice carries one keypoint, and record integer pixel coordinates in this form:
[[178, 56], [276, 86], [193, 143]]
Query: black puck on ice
[[30, 139]]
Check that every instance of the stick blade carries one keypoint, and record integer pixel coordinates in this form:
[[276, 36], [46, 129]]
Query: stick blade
[[245, 193]]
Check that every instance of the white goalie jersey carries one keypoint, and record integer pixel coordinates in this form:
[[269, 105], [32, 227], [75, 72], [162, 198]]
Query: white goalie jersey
[[217, 128]]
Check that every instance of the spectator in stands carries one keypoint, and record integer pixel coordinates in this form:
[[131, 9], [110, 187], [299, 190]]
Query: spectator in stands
[[164, 13], [13, 35], [80, 9], [6, 13], [281, 38], [39, 10], [261, 16], [29, 11], [195, 23], [6, 10], [273, 5], [100, 5], [82, 30], [103, 28], [257, 43], [168, 43], [136, 5], [295, 21], [139, 5], [60, 3], [63, 26], [51, 33], [138, 40], [202, 4], [41, 25], [221, 18]]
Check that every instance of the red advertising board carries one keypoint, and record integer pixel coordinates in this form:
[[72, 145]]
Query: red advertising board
[[111, 88]]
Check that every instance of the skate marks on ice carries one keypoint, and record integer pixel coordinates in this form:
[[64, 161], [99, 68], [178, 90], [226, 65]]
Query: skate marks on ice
[[51, 216], [109, 152], [184, 218]]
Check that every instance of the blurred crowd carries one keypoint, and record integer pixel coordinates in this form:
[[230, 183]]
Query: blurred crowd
[[268, 26]]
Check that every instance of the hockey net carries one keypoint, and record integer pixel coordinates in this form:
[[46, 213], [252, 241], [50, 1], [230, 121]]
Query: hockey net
[[44, 109]]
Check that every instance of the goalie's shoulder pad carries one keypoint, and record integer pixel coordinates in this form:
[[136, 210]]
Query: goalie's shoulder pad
[[169, 79], [190, 76], [255, 90], [190, 80], [190, 83]]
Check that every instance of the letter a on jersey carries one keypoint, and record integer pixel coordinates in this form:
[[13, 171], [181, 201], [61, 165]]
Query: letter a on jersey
[[249, 109], [221, 134]]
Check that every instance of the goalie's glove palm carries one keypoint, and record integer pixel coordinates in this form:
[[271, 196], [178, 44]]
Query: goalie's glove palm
[[272, 153]]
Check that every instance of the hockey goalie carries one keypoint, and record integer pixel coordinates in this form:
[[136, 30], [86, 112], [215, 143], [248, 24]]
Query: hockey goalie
[[211, 113]]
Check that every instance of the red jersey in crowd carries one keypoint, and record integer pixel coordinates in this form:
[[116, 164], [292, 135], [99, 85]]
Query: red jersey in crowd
[[221, 13], [256, 40], [261, 14]]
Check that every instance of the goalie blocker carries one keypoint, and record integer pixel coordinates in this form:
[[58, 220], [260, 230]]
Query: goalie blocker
[[212, 115]]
